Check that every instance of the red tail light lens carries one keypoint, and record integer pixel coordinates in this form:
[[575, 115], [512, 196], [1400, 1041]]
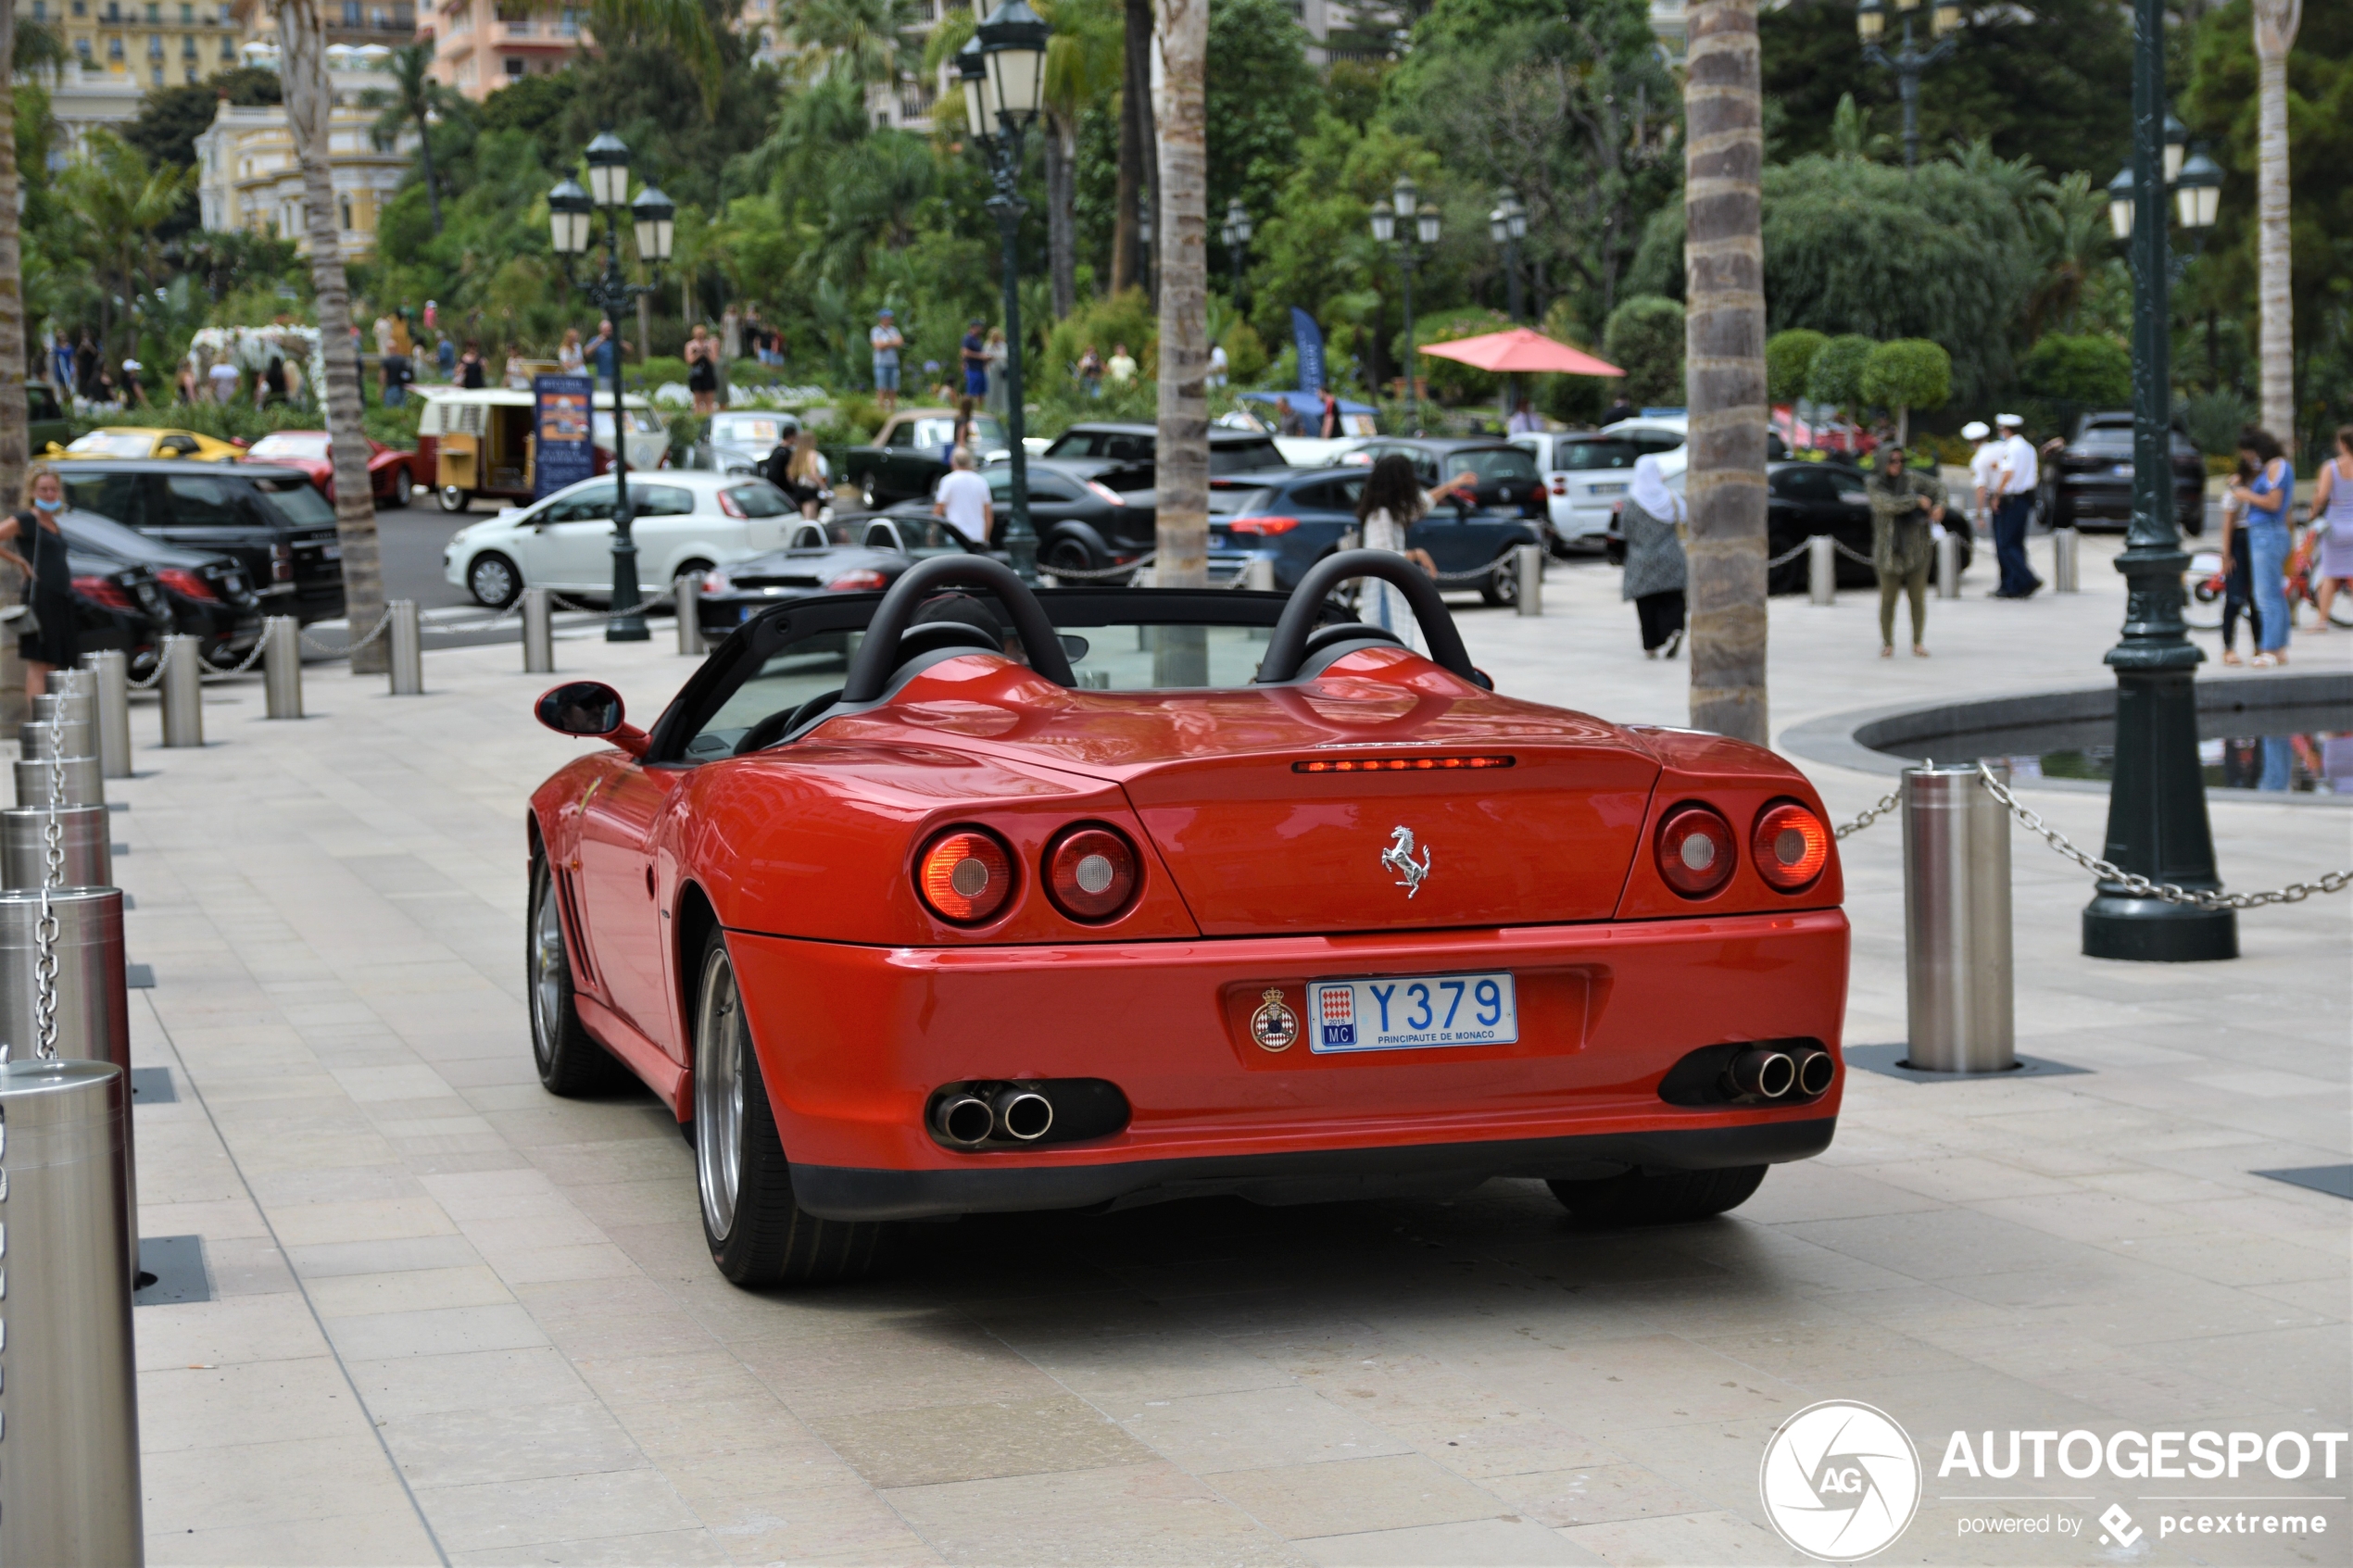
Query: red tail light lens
[[1790, 846], [181, 581], [965, 875], [1090, 872], [1695, 851], [856, 580], [1263, 526], [729, 505], [97, 590]]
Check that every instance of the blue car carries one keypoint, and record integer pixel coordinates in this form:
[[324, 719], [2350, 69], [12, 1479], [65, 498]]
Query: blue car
[[1295, 516]]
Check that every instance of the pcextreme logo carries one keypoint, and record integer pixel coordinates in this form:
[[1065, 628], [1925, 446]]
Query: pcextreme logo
[[1839, 1481]]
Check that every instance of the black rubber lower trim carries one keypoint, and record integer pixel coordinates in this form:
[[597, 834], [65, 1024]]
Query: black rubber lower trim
[[844, 1192]]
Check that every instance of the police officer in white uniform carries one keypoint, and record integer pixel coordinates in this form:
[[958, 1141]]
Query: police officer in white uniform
[[2015, 475]]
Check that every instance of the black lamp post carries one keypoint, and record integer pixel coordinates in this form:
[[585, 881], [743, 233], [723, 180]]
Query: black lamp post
[[571, 217], [1507, 225], [1237, 241], [1004, 69], [1908, 61], [2157, 825], [1405, 203]]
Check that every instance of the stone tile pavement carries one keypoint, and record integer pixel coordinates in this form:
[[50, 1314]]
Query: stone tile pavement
[[457, 1320]]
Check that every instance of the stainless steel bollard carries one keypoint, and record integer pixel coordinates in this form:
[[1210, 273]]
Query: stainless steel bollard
[[1948, 565], [45, 737], [1956, 923], [109, 679], [538, 633], [282, 667], [83, 785], [407, 634], [686, 598], [2064, 543], [69, 1489], [1258, 575], [81, 704], [183, 691], [1528, 565], [84, 834], [1821, 570]]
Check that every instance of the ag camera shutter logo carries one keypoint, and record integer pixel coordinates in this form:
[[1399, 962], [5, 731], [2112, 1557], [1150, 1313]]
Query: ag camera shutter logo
[[1839, 1481]]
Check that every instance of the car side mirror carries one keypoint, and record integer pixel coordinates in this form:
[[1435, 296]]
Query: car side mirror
[[589, 710]]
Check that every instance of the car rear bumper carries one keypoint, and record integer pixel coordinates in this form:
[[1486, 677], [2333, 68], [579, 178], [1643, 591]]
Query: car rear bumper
[[854, 1041]]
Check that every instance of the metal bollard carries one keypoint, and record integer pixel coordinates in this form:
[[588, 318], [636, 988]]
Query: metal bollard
[[70, 1488], [84, 834], [1528, 565], [282, 667], [407, 635], [538, 633], [183, 691], [43, 738], [2063, 560], [109, 679], [1821, 570], [686, 598], [84, 784], [81, 704], [1956, 923], [1258, 575], [1948, 565]]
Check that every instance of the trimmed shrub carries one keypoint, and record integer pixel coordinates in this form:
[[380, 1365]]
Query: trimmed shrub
[[1836, 375], [1788, 356], [1644, 337], [2088, 370]]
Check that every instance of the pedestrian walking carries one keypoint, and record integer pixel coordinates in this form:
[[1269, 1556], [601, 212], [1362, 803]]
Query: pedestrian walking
[[2238, 574], [471, 371], [800, 471], [2332, 521], [885, 340], [135, 387], [62, 365], [604, 353], [999, 358], [185, 384], [1390, 504], [1328, 424], [1090, 372], [272, 387], [702, 371], [964, 501], [1650, 519], [1906, 509], [568, 356], [1620, 410], [2016, 476], [1120, 369], [973, 354], [1984, 463], [2266, 496], [49, 631]]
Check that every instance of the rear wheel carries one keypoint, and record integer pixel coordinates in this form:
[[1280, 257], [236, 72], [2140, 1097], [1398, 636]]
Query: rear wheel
[[757, 1234], [1668, 1198], [454, 499], [570, 1062], [1068, 554], [1501, 585], [493, 580]]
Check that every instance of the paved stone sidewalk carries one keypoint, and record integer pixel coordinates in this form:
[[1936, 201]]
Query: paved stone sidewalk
[[456, 1318]]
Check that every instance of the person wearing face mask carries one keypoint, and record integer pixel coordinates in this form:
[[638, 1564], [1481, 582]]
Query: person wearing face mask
[[30, 540]]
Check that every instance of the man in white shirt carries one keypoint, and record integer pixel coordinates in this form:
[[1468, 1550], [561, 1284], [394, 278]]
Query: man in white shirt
[[2015, 474], [964, 502], [1983, 461]]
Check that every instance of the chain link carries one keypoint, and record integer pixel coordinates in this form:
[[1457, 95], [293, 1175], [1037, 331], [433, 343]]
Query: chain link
[[1788, 556], [155, 676], [45, 962], [212, 671], [1854, 555], [383, 623], [1876, 809]]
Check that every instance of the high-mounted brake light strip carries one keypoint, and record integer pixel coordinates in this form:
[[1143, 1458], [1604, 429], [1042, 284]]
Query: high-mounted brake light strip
[[1400, 764]]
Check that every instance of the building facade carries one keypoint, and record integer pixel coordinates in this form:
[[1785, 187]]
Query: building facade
[[481, 45], [145, 43], [248, 177]]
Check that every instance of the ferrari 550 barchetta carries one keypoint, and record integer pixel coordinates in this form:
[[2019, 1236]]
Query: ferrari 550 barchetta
[[936, 902]]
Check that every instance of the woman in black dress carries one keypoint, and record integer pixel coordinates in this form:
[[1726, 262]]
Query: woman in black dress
[[30, 540]]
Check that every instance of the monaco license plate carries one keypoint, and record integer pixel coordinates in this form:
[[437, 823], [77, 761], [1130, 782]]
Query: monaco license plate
[[330, 552], [1412, 1012]]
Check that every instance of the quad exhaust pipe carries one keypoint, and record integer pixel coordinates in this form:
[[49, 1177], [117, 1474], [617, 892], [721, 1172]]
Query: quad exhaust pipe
[[1008, 1110], [1776, 1075]]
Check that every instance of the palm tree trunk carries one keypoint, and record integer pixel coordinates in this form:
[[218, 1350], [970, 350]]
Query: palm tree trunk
[[2275, 24], [424, 160], [1181, 462], [1061, 222], [1135, 140], [302, 40], [1724, 368], [13, 437]]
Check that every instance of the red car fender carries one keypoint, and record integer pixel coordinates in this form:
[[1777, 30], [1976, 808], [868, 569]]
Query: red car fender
[[1738, 780]]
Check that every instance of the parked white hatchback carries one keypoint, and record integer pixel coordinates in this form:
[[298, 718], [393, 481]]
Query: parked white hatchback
[[685, 521]]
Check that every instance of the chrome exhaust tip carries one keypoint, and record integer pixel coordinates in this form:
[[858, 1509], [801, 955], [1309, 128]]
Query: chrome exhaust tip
[[1768, 1073], [1815, 1070], [964, 1120], [1023, 1113]]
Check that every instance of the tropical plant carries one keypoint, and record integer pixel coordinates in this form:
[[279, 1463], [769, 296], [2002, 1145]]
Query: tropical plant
[[2094, 372], [1182, 461], [116, 202], [857, 40], [1789, 356], [1908, 373], [2275, 25], [413, 99], [13, 408], [1644, 337]]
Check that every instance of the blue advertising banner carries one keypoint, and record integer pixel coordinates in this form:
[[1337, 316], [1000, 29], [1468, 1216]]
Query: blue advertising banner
[[559, 421], [1309, 340]]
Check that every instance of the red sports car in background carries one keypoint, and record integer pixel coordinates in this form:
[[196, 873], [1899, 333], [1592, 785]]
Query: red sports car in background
[[927, 903], [390, 472]]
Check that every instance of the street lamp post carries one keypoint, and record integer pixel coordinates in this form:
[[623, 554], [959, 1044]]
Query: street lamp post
[[1004, 71], [1910, 60], [571, 220], [1405, 203], [1237, 241], [2156, 823], [1507, 225]]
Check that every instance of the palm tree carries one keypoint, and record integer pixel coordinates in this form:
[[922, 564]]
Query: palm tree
[[414, 99], [1137, 171], [2275, 25], [118, 202], [1181, 464], [1724, 366], [860, 39], [1084, 62]]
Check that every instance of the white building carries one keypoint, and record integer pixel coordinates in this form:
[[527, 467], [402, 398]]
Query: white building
[[248, 176]]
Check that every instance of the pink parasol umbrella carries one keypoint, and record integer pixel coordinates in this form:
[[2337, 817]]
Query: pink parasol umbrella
[[1521, 350]]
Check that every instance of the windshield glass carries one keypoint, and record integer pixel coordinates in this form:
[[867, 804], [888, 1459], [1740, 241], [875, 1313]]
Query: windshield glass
[[298, 503], [1500, 463], [1237, 501], [112, 444], [1241, 456], [761, 498], [283, 445], [750, 430], [88, 531], [987, 433], [1594, 454], [641, 421]]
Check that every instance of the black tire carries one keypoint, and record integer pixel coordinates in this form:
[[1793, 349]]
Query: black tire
[[454, 499], [570, 1062], [1064, 553], [1671, 1197], [758, 1235], [493, 580], [2201, 606], [1500, 587]]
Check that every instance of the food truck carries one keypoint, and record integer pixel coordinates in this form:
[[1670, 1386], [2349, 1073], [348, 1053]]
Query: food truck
[[478, 441]]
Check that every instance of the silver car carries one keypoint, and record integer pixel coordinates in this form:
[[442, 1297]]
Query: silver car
[[740, 440]]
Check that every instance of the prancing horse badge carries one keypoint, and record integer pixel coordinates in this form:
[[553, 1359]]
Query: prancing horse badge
[[1399, 857]]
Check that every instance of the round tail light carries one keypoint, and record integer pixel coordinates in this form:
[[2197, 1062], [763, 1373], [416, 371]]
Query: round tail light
[[1090, 872], [1695, 851], [1790, 846], [965, 875]]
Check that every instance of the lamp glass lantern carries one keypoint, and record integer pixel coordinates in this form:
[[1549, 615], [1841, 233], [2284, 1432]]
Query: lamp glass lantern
[[1384, 222], [1425, 227], [655, 216], [608, 169], [1499, 228], [1906, 8], [1012, 43], [1407, 195], [2119, 203], [1516, 215], [1871, 20], [1236, 222], [570, 212], [1946, 18], [2177, 142], [972, 72], [2197, 194]]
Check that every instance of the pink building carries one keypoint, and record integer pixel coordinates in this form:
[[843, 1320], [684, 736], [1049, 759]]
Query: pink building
[[481, 45]]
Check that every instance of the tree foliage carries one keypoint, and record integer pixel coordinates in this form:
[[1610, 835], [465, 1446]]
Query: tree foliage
[[1645, 338], [1836, 375], [2094, 372], [1789, 356]]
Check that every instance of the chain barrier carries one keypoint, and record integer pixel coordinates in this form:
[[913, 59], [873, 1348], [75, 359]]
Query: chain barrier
[[557, 601], [1853, 555], [1097, 574], [155, 676], [1788, 556], [212, 671], [1876, 809], [384, 624], [53, 876]]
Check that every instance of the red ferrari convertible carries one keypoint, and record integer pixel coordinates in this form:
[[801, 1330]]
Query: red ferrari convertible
[[930, 903], [389, 470]]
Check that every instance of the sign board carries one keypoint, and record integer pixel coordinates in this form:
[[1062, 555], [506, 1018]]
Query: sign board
[[560, 422]]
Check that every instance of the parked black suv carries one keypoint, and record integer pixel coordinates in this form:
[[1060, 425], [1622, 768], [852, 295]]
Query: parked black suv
[[277, 526], [1120, 455], [206, 594], [2088, 483]]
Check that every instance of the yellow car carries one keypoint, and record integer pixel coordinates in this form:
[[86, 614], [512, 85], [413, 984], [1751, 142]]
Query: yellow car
[[137, 441]]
